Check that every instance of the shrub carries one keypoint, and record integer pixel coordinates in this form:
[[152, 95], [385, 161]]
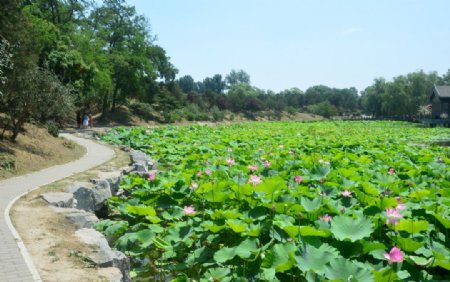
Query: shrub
[[291, 110], [217, 114], [324, 109], [7, 163], [53, 129]]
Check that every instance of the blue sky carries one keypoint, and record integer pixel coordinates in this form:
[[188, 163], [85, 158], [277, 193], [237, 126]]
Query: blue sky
[[298, 43]]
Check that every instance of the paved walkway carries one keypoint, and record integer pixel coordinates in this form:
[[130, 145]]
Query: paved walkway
[[15, 262]]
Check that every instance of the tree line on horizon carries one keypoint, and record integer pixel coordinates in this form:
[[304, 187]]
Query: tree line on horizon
[[58, 57]]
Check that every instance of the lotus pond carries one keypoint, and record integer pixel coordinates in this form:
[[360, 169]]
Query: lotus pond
[[286, 201]]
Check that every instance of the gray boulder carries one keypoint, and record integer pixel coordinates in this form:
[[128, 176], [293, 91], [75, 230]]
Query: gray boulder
[[59, 199], [102, 192], [122, 262], [152, 164], [140, 167], [81, 218], [137, 156], [141, 162], [112, 274], [90, 197], [102, 255], [113, 178]]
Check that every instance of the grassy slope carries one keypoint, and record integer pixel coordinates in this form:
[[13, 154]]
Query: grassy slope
[[34, 150]]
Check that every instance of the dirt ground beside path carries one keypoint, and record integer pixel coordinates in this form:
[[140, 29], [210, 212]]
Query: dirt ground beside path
[[49, 237]]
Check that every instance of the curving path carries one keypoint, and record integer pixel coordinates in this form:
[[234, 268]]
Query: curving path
[[15, 262]]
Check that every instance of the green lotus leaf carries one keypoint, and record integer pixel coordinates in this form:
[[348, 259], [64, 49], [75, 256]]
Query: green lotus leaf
[[224, 254], [112, 228], [445, 221], [310, 205], [311, 231], [292, 231], [145, 237], [320, 172], [369, 246], [160, 243], [370, 189], [200, 255], [247, 248], [218, 274], [412, 226], [232, 214], [344, 227], [214, 228], [315, 259], [420, 260], [153, 219], [270, 185], [385, 275], [236, 225], [419, 194], [279, 258], [347, 270], [408, 244], [254, 230], [387, 202], [141, 210]]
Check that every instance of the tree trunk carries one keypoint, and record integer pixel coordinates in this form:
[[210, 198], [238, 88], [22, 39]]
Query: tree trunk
[[105, 105], [114, 99], [16, 126]]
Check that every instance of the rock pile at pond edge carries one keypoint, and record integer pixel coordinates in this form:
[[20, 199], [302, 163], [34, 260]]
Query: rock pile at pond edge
[[84, 201]]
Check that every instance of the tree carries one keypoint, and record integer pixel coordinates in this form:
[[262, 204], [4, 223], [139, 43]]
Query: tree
[[53, 101], [372, 97], [135, 61], [215, 83], [444, 79], [242, 96], [5, 62], [186, 83], [324, 109], [236, 77]]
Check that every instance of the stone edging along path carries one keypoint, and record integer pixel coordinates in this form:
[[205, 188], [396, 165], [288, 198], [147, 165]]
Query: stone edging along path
[[15, 262]]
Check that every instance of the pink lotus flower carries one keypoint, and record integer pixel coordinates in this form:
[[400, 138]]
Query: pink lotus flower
[[189, 210], [298, 179], [326, 217], [253, 168], [266, 163], [230, 161], [208, 172], [395, 255], [254, 180], [393, 216], [400, 205], [391, 170], [199, 174], [194, 185], [151, 177], [347, 194]]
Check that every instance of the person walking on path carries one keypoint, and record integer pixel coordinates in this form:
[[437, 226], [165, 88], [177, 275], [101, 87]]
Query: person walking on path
[[85, 121], [91, 121]]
